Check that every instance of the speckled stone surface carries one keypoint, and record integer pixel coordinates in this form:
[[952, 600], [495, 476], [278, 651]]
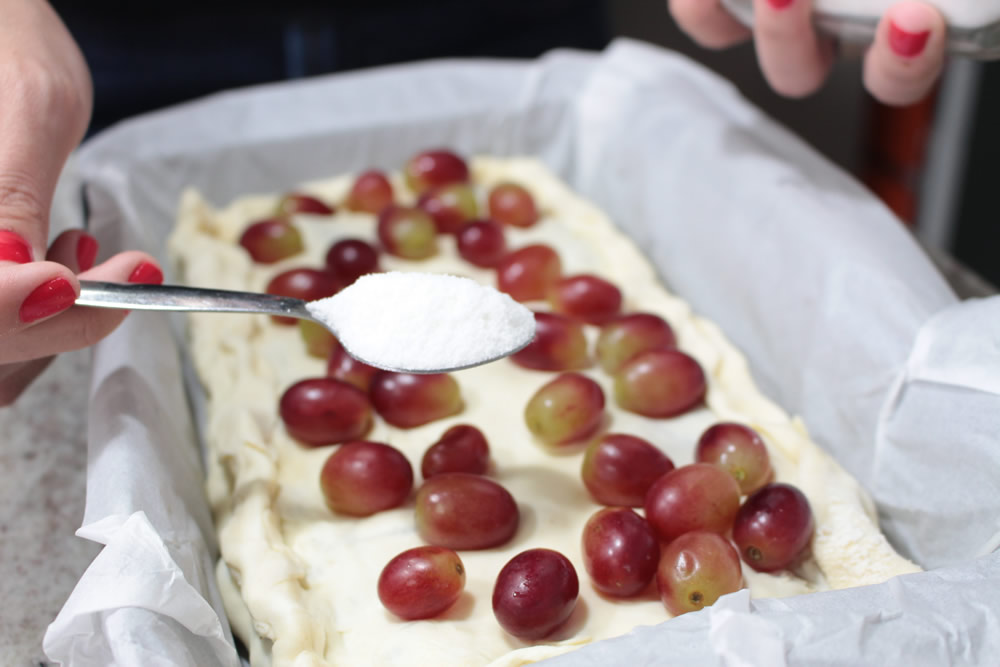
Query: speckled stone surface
[[43, 458]]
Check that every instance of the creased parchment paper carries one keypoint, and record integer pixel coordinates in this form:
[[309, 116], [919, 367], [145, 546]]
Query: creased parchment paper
[[843, 318]]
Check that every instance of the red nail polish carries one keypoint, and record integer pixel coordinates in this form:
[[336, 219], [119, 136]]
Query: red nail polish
[[47, 299], [13, 248], [147, 274], [86, 251], [907, 44], [780, 4]]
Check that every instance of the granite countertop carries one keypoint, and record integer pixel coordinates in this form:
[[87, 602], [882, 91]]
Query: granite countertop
[[43, 456]]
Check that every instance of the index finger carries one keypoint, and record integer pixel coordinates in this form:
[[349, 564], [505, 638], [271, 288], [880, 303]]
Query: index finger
[[45, 89]]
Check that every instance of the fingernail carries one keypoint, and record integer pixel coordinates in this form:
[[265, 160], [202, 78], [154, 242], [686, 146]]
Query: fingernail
[[147, 274], [780, 4], [47, 299], [86, 251], [905, 43], [13, 248]]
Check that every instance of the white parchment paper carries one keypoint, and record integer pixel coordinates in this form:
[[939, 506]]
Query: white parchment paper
[[843, 318]]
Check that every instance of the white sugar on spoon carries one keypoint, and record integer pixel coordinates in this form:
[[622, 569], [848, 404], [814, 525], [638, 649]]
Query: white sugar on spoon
[[411, 322], [424, 322]]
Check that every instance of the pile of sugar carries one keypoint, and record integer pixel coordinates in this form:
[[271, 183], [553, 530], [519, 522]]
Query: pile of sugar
[[424, 322]]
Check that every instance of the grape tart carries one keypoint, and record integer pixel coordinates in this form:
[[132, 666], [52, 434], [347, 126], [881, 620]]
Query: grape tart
[[299, 581]]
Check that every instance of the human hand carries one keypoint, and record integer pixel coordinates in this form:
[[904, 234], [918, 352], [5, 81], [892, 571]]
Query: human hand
[[46, 93], [900, 67]]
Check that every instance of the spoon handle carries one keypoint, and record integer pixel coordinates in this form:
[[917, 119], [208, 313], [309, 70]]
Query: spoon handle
[[175, 297]]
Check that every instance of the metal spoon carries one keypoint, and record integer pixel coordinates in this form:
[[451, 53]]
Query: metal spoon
[[96, 294]]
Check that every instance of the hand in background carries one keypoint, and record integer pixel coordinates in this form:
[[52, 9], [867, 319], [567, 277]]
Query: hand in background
[[46, 92], [900, 67]]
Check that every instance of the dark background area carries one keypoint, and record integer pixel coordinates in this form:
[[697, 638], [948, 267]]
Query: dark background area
[[146, 56]]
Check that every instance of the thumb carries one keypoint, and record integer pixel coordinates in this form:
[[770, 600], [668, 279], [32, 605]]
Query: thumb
[[46, 96]]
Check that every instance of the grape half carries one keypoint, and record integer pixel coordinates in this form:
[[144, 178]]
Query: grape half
[[349, 259], [738, 449], [407, 232], [620, 551], [421, 582], [482, 243], [462, 448], [272, 240], [585, 297], [450, 206], [324, 411], [773, 527], [460, 510], [408, 400], [300, 203], [699, 496], [695, 570], [566, 409], [660, 383], [434, 168], [618, 469], [361, 478], [559, 345], [627, 335], [535, 593], [528, 273], [302, 283], [512, 204], [370, 193]]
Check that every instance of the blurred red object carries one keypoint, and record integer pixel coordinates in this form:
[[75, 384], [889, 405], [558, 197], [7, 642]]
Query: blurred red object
[[896, 152]]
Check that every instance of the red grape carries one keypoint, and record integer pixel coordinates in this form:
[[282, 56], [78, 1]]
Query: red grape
[[363, 477], [299, 203], [527, 273], [695, 570], [460, 510], [559, 345], [627, 335], [512, 204], [660, 383], [407, 400], [699, 496], [482, 243], [305, 284], [370, 193], [342, 366], [738, 449], [421, 582], [535, 593], [407, 232], [324, 411], [773, 527], [586, 297], [349, 259], [618, 469], [318, 339], [565, 410], [450, 206], [434, 168], [620, 551], [272, 240], [462, 448]]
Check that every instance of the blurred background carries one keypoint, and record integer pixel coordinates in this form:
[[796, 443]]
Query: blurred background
[[932, 163]]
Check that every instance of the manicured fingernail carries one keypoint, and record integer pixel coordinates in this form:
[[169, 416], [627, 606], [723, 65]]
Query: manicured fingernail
[[147, 274], [905, 43], [780, 4], [86, 251], [13, 248], [47, 299]]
